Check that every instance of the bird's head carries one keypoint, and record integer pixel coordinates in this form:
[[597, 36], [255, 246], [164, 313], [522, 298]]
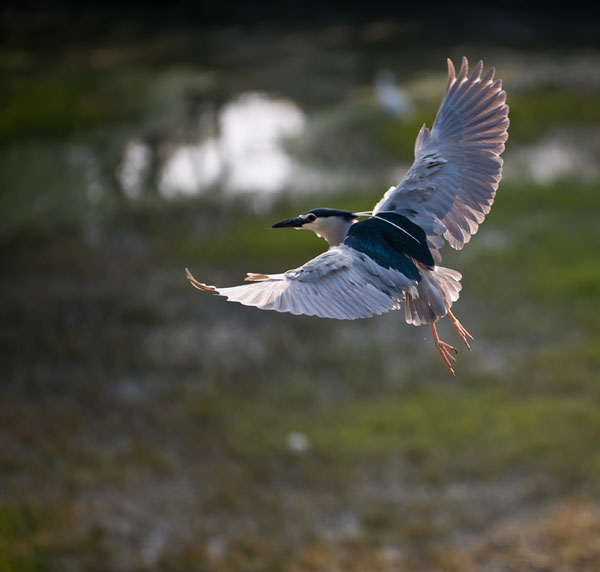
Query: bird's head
[[331, 224]]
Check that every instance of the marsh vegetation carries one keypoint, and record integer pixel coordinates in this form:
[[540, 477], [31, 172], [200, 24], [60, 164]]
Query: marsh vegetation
[[147, 427]]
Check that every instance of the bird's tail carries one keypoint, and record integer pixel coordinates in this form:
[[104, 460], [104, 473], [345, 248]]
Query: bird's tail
[[435, 294]]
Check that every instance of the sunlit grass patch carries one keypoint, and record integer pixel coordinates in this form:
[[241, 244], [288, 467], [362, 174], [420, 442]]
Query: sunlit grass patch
[[568, 368], [533, 113], [61, 103], [536, 257], [440, 434]]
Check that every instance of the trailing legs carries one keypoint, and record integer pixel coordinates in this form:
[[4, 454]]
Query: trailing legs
[[445, 349]]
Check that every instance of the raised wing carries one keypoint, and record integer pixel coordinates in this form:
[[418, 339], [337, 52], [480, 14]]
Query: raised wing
[[457, 166], [341, 283]]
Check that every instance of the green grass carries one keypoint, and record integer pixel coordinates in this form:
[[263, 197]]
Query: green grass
[[469, 432], [26, 538], [534, 113], [63, 102]]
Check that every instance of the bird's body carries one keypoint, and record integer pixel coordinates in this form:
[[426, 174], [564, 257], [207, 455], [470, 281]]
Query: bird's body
[[374, 265]]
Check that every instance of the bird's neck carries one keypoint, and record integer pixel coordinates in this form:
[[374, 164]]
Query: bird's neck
[[332, 229]]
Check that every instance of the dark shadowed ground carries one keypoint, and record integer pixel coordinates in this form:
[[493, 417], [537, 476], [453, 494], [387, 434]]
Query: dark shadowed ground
[[146, 426]]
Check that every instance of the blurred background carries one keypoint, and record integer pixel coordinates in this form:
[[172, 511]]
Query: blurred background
[[144, 426]]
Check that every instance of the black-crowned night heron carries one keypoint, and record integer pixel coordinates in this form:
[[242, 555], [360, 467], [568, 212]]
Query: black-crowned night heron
[[374, 265]]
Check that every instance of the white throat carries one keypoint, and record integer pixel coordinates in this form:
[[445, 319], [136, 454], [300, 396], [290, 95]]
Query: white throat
[[332, 228]]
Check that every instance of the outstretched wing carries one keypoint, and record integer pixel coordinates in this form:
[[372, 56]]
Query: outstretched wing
[[341, 283], [457, 166]]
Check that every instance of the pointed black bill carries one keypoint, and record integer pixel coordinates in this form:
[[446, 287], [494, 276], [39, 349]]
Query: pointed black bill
[[290, 222]]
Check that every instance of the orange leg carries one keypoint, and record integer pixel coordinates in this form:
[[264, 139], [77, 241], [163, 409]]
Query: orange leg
[[460, 329], [444, 349]]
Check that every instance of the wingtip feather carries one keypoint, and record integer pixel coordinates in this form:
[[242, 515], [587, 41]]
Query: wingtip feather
[[476, 74], [199, 285], [451, 73], [489, 76], [464, 69]]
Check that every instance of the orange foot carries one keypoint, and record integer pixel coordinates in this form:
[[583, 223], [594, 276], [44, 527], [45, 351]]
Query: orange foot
[[444, 349], [460, 329]]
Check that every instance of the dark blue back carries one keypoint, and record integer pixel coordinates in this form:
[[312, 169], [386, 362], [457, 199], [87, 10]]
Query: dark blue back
[[389, 246]]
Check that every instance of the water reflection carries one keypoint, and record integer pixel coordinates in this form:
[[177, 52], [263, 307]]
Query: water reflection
[[561, 156], [246, 154], [240, 147], [392, 98], [82, 158], [191, 169], [134, 168]]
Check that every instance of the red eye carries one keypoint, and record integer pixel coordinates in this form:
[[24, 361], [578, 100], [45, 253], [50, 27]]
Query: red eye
[[311, 217]]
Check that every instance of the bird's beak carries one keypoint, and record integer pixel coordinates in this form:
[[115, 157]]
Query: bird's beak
[[290, 222]]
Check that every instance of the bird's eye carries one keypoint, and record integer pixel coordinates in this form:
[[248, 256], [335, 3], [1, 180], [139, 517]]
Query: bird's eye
[[311, 217]]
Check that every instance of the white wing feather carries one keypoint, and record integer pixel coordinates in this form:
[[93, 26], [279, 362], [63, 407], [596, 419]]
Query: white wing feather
[[341, 283], [457, 166]]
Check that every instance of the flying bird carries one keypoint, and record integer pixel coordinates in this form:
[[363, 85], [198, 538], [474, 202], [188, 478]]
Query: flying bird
[[392, 257]]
